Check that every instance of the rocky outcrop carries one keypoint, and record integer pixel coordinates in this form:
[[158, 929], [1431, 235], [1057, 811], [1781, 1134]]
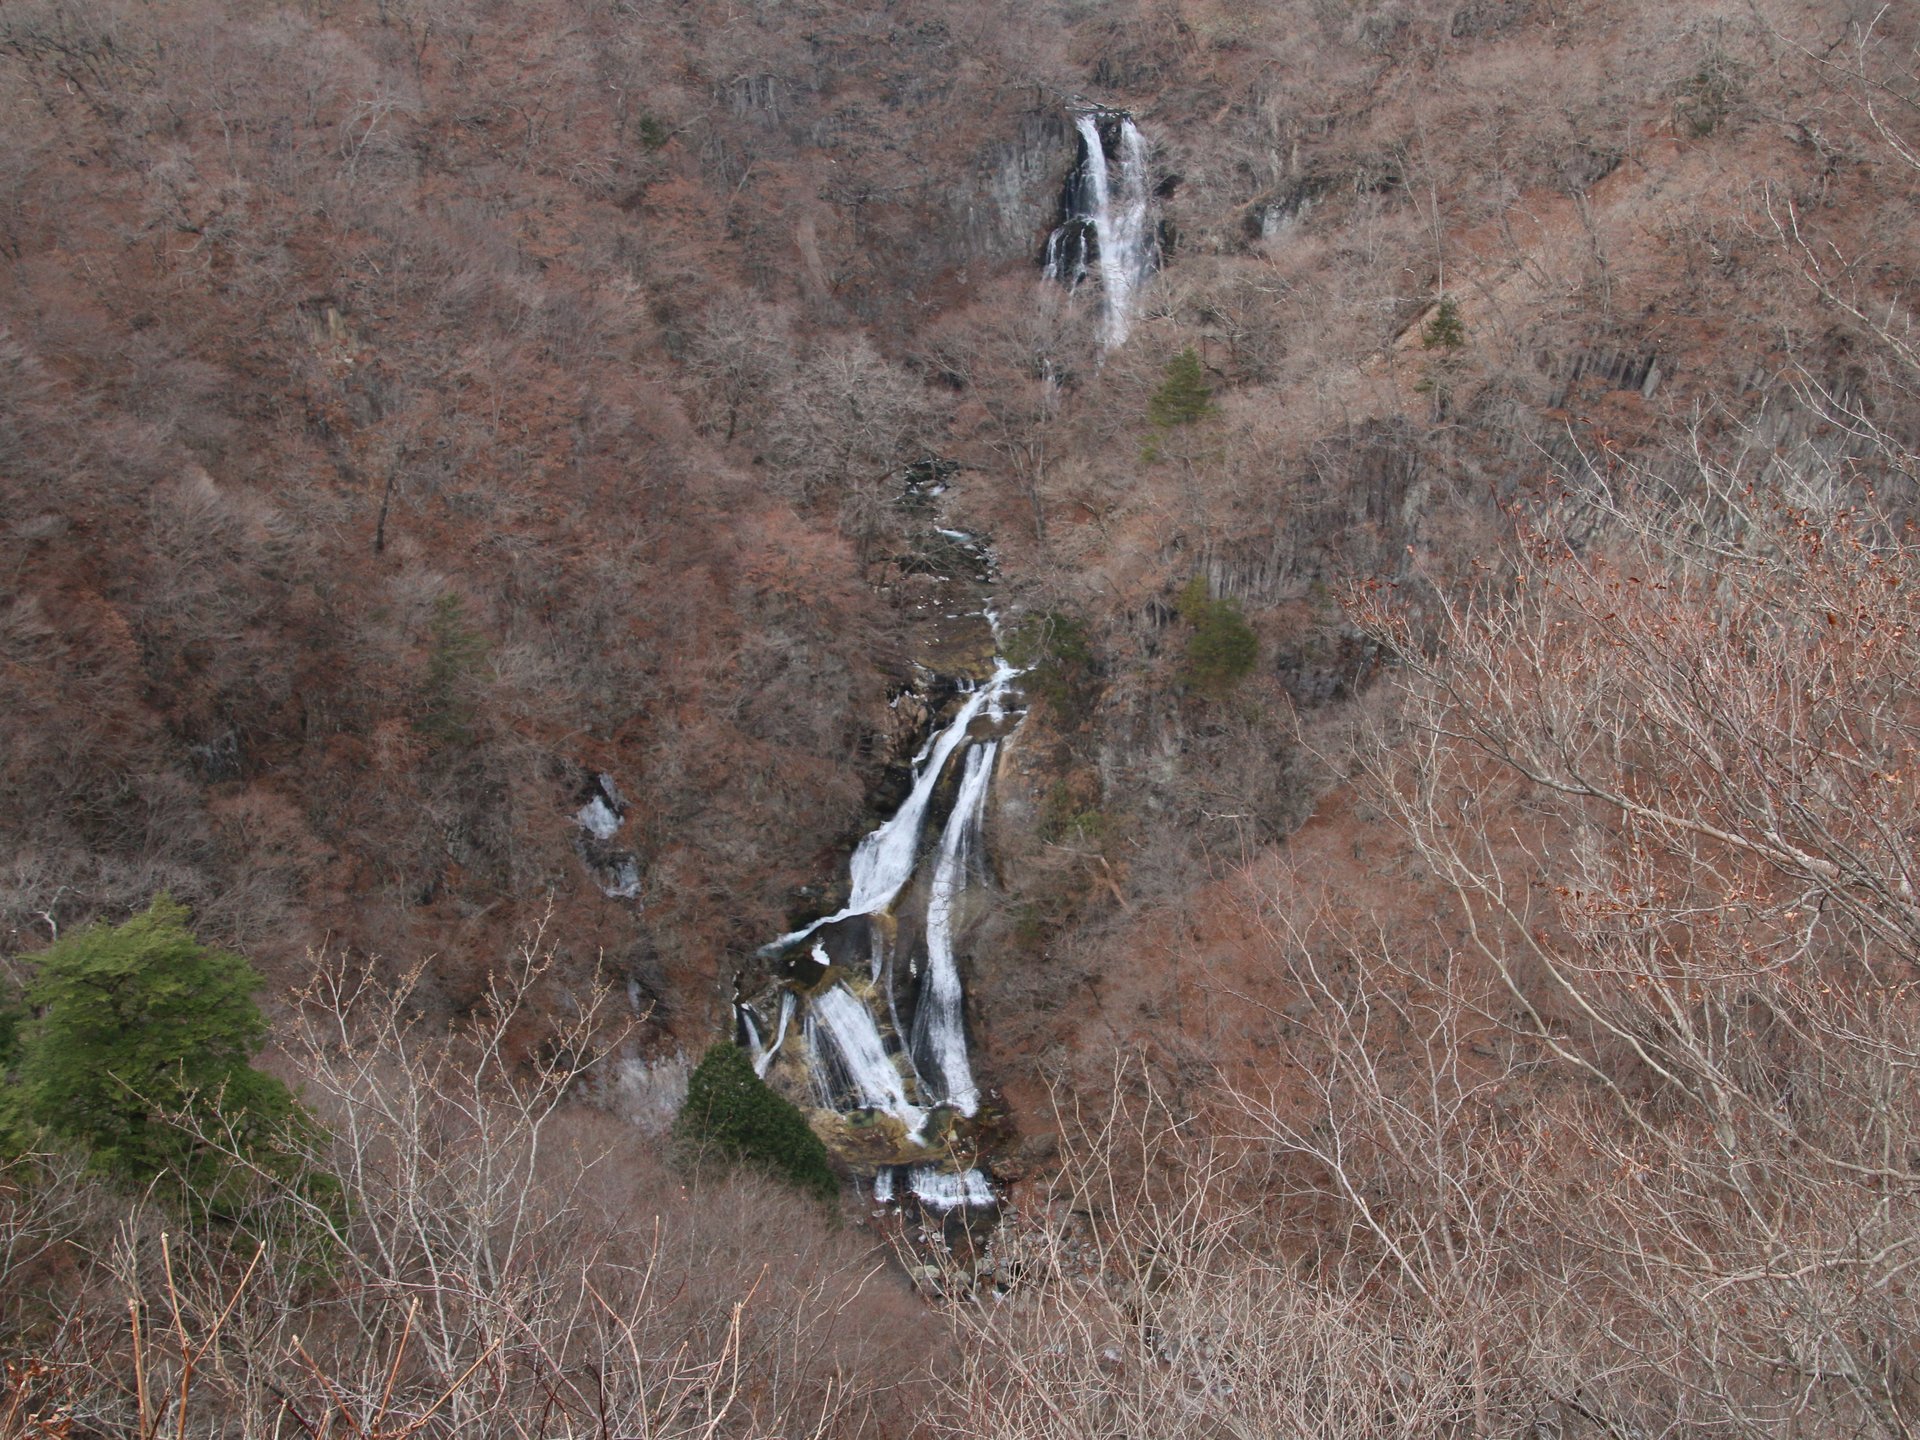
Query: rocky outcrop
[[1012, 201]]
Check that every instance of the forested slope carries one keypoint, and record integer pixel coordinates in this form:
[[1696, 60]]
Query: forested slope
[[1467, 785]]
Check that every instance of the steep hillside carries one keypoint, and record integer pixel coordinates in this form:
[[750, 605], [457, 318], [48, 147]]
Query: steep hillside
[[484, 488]]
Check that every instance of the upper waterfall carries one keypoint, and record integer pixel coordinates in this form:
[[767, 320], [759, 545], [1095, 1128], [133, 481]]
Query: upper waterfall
[[1106, 221]]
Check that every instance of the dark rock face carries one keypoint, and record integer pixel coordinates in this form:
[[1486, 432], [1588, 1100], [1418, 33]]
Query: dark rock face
[[1011, 199], [1487, 17], [1615, 369], [1272, 214]]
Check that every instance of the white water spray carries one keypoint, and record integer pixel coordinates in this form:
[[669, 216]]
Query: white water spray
[[939, 1023], [1110, 201], [883, 863], [849, 1027]]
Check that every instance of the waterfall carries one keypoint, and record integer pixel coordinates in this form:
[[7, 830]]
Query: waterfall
[[849, 1027], [941, 1190], [1106, 225], [849, 1001], [939, 1028], [763, 1059], [750, 1037], [884, 861], [600, 819]]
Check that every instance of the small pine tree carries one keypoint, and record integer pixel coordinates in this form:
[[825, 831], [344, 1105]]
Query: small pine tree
[[1222, 649], [739, 1114], [1184, 397], [653, 132], [1443, 330], [135, 1028]]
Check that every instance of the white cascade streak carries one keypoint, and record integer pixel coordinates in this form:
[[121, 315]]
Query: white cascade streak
[[816, 1071], [1112, 196], [754, 1047], [883, 863], [763, 1059], [598, 819], [939, 1019], [940, 1190], [1125, 235], [849, 1026]]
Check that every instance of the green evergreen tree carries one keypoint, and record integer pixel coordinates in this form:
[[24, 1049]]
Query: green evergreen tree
[[1444, 330], [1184, 397], [1061, 665], [136, 1026], [1222, 649], [735, 1111]]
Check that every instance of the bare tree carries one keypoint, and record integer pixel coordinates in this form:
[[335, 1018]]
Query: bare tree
[[736, 355], [494, 1260], [846, 422], [1668, 781]]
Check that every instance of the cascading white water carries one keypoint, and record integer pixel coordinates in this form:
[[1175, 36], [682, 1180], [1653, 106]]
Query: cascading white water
[[884, 861], [849, 1058], [598, 818], [939, 1025], [618, 871], [940, 1190], [762, 1059], [943, 1190], [1108, 223], [1126, 239], [849, 1027], [752, 1032]]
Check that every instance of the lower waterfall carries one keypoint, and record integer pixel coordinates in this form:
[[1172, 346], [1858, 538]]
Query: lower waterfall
[[861, 1059], [939, 1032], [875, 990]]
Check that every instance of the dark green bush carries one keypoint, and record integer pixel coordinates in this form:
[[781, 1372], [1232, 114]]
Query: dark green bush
[[455, 652], [135, 1050], [1222, 649], [653, 132], [734, 1111], [1071, 815], [1184, 397], [1444, 330], [1061, 667]]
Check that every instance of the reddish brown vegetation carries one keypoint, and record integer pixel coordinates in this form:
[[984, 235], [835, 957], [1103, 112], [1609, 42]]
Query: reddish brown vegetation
[[616, 324]]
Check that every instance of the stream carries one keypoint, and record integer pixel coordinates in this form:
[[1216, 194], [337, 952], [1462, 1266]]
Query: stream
[[859, 1017]]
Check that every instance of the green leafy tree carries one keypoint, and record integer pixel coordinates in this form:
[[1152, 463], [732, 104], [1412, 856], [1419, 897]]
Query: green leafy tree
[[1222, 649], [136, 1050], [733, 1110], [1184, 397]]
